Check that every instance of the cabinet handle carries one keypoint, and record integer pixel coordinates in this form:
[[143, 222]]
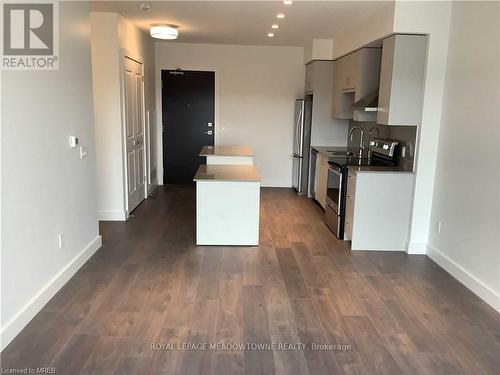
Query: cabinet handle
[[349, 196]]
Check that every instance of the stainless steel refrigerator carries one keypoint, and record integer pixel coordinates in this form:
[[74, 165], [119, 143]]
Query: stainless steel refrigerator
[[301, 144]]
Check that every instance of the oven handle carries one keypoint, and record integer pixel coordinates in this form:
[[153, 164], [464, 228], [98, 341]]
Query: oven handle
[[335, 170]]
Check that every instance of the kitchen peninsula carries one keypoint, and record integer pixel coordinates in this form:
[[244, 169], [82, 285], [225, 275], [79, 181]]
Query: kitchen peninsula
[[227, 197]]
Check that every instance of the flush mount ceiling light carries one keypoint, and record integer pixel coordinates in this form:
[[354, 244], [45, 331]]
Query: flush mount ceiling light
[[288, 2], [280, 15], [164, 32], [270, 35], [275, 26]]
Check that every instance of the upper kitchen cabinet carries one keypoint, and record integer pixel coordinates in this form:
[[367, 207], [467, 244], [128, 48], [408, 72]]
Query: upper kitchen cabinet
[[317, 72], [402, 80], [355, 76], [319, 82]]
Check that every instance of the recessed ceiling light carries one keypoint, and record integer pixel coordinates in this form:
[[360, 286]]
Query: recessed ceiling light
[[288, 2], [270, 35], [280, 15], [164, 32], [275, 26]]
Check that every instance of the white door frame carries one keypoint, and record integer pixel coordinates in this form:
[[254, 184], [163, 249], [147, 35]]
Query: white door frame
[[159, 112], [127, 54]]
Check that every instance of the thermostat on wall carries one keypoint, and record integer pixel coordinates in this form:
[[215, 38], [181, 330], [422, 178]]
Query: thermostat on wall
[[73, 141]]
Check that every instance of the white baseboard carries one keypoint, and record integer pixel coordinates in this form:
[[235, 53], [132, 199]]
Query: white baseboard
[[478, 287], [416, 248], [271, 183], [112, 215], [15, 325]]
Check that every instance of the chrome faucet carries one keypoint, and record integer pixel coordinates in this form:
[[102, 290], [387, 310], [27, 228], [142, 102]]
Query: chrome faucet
[[362, 134]]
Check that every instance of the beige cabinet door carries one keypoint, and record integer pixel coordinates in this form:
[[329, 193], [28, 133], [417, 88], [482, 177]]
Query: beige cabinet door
[[321, 179], [134, 133], [341, 100], [402, 76], [309, 84], [349, 209]]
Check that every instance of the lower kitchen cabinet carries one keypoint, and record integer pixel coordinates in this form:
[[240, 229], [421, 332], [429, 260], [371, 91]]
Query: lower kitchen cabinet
[[349, 211], [378, 209], [321, 179]]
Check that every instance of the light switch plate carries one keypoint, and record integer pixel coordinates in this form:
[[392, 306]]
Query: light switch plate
[[73, 141]]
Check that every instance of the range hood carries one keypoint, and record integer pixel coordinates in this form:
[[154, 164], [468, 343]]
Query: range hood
[[367, 104]]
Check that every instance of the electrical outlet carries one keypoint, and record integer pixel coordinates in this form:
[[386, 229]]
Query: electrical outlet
[[439, 227], [61, 240]]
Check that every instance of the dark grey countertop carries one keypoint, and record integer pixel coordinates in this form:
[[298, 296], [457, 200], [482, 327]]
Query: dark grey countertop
[[402, 167], [227, 173], [226, 150], [329, 149], [381, 169]]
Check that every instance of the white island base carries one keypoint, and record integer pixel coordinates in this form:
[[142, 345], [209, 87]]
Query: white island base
[[227, 205]]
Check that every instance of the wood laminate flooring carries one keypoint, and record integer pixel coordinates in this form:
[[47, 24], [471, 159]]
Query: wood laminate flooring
[[149, 283]]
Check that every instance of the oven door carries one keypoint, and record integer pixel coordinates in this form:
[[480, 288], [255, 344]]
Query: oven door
[[334, 190]]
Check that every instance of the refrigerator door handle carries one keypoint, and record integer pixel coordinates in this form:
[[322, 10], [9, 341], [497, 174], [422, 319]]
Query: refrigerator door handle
[[299, 131]]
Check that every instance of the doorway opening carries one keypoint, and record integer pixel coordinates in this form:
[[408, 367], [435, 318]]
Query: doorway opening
[[188, 111]]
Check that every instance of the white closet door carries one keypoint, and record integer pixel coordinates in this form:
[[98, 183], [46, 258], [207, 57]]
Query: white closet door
[[134, 133]]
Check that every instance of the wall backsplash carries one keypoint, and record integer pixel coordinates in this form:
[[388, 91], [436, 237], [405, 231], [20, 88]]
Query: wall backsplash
[[405, 135]]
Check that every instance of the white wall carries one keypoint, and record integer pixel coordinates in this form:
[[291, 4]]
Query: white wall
[[431, 18], [256, 88], [467, 178], [107, 116], [378, 26], [46, 188], [112, 35]]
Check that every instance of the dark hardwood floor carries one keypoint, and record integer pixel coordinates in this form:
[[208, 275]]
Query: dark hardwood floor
[[149, 283]]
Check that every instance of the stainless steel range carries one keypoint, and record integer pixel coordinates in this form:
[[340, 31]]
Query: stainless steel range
[[381, 152]]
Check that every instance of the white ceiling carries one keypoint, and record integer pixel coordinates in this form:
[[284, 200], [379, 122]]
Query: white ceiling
[[248, 22]]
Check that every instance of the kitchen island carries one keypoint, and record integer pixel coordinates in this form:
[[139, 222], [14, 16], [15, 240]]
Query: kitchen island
[[227, 155], [227, 205]]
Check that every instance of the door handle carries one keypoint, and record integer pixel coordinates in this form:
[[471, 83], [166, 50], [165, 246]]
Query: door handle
[[209, 132]]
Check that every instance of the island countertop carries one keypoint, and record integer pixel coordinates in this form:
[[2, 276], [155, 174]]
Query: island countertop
[[227, 173], [229, 150]]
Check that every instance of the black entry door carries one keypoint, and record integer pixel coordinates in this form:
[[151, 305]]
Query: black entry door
[[188, 101]]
